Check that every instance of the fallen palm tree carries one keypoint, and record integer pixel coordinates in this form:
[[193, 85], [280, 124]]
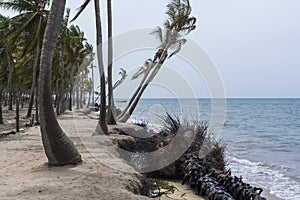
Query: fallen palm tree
[[207, 176]]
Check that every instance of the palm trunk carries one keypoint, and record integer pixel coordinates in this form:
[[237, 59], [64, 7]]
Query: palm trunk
[[149, 79], [33, 84], [81, 98], [77, 97], [102, 119], [89, 100], [59, 149], [1, 117], [37, 103], [93, 89], [10, 101], [135, 95], [57, 102], [62, 90], [74, 96], [5, 99], [70, 97], [125, 111], [111, 107], [17, 112], [71, 90], [22, 100]]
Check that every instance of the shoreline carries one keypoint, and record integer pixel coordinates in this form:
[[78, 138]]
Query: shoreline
[[85, 128]]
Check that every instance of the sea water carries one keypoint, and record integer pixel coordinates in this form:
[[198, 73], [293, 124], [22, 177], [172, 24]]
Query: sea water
[[262, 137]]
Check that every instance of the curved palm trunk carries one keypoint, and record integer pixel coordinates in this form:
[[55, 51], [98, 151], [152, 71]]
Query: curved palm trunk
[[59, 149], [33, 84], [111, 107], [102, 119]]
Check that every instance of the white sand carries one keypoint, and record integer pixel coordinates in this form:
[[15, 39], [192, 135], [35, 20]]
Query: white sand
[[24, 175]]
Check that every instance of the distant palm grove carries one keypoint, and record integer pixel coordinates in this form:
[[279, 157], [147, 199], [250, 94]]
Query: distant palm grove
[[42, 57]]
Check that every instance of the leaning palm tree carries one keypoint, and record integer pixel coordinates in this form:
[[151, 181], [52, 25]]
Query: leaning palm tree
[[178, 24], [59, 149]]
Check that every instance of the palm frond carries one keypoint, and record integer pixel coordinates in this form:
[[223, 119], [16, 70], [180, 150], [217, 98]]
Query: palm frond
[[123, 75], [16, 5], [142, 70], [158, 33], [80, 9], [178, 47]]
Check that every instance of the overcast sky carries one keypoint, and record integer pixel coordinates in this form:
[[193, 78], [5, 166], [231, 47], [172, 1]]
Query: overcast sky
[[255, 44]]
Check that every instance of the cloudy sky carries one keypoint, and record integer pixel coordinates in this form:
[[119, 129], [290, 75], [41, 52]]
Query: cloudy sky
[[254, 44]]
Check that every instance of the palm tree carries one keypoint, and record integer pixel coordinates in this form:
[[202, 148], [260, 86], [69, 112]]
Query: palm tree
[[4, 54], [59, 149], [102, 119], [93, 84], [111, 107], [62, 40], [178, 24], [32, 21], [10, 69], [6, 51]]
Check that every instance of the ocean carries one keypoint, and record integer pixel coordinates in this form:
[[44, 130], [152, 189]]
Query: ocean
[[262, 137]]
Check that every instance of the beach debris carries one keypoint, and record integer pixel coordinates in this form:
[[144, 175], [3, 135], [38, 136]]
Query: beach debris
[[216, 184], [7, 134]]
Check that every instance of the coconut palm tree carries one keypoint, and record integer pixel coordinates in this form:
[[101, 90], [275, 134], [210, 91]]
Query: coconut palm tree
[[102, 119], [59, 149], [4, 23], [61, 43], [178, 24], [30, 23], [111, 107]]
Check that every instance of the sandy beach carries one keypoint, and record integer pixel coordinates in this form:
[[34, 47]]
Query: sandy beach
[[24, 174]]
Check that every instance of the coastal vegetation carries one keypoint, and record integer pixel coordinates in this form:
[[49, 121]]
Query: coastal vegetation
[[42, 58]]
